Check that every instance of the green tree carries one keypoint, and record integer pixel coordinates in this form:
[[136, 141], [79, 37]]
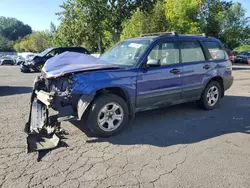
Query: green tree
[[143, 22], [52, 28], [212, 15], [235, 27], [182, 15], [135, 26], [35, 42], [4, 44], [121, 10], [242, 48], [89, 22], [13, 29], [71, 31]]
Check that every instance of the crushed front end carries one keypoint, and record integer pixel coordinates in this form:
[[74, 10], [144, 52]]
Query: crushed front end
[[51, 103]]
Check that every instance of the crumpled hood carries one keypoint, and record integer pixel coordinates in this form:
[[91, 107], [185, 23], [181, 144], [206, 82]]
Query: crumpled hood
[[69, 62]]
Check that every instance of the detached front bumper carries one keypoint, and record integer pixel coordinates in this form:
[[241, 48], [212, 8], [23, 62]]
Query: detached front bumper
[[52, 102], [46, 105], [43, 126], [40, 127]]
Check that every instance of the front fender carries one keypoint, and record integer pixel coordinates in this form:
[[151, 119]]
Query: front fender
[[89, 83]]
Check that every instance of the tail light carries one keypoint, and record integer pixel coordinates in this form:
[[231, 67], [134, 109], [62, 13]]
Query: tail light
[[248, 61], [230, 55], [231, 68]]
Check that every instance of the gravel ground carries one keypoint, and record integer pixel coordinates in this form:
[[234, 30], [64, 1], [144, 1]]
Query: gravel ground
[[180, 146]]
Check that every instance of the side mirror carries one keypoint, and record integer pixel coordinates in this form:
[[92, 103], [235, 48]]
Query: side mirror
[[153, 63]]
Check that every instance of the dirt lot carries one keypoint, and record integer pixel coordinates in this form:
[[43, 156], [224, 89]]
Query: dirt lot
[[180, 146]]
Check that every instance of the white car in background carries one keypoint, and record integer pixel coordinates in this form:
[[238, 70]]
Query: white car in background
[[27, 55], [7, 60]]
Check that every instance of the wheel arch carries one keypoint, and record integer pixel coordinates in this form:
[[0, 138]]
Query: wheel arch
[[85, 100], [121, 92]]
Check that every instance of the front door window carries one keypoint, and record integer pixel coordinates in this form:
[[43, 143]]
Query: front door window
[[166, 52]]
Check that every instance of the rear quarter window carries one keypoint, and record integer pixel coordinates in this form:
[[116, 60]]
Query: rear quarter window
[[215, 50]]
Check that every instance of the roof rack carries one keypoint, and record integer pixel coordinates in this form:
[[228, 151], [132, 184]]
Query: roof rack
[[160, 34], [172, 33], [202, 34]]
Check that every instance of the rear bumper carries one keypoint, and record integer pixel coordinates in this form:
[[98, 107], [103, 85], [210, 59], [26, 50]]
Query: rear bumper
[[228, 82]]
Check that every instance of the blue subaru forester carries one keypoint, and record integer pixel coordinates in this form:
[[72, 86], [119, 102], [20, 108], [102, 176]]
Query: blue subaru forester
[[143, 73]]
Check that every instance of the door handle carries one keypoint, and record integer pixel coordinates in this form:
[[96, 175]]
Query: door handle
[[206, 67], [175, 71]]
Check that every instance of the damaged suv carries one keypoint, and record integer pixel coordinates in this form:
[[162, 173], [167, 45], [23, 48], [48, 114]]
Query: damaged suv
[[143, 73], [36, 62]]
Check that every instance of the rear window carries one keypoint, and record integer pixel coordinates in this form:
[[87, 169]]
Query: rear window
[[191, 52], [79, 50], [215, 50]]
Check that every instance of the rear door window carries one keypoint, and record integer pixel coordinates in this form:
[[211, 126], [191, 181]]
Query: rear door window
[[191, 51], [217, 53]]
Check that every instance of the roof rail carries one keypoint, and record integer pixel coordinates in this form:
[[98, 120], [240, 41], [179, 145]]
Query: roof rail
[[160, 34], [202, 34]]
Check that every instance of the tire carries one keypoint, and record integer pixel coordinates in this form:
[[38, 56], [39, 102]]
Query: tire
[[205, 101], [25, 71], [38, 68], [96, 115]]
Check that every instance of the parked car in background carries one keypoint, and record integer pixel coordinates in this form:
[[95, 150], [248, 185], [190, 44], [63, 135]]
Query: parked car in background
[[27, 55], [151, 71], [36, 63], [234, 56], [19, 60], [243, 57], [7, 60]]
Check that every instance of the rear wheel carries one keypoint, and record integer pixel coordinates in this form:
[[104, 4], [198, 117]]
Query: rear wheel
[[108, 115], [211, 96]]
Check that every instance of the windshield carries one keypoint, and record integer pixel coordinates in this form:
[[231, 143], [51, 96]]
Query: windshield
[[43, 53], [126, 52]]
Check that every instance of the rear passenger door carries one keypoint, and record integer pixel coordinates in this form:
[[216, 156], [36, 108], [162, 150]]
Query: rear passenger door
[[195, 67]]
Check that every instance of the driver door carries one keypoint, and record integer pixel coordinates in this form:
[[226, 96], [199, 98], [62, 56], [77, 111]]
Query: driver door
[[159, 85]]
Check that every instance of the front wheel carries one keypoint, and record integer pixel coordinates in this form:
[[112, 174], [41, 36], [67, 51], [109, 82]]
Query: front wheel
[[108, 115], [211, 96], [38, 67]]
